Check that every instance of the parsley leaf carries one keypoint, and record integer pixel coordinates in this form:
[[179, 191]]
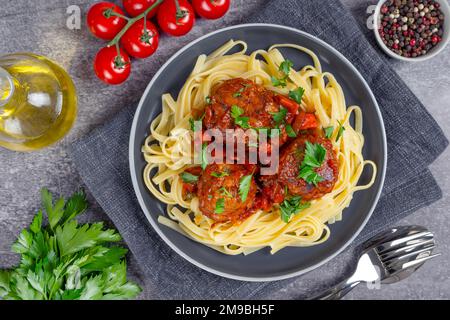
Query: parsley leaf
[[36, 224], [279, 82], [188, 177], [292, 206], [297, 94], [220, 206], [309, 175], [220, 174], [71, 238], [314, 157], [75, 205], [208, 100], [242, 122], [329, 132], [238, 93], [236, 113], [279, 116], [290, 131], [286, 66], [192, 124], [54, 212], [204, 156], [244, 186], [340, 132]]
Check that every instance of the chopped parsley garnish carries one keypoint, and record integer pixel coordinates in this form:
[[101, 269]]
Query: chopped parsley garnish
[[225, 192], [285, 68], [279, 82], [340, 132], [208, 100], [236, 114], [220, 174], [204, 156], [329, 132], [192, 124], [309, 175], [297, 94], [188, 178], [290, 131], [244, 186], [239, 93], [279, 116], [292, 206], [220, 206], [314, 155], [314, 158]]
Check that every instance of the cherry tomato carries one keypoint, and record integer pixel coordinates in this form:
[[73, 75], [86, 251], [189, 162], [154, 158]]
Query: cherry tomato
[[111, 68], [291, 105], [176, 21], [136, 7], [140, 44], [211, 9], [305, 121], [101, 23]]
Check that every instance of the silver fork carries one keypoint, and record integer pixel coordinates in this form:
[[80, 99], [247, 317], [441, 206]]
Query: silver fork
[[387, 258]]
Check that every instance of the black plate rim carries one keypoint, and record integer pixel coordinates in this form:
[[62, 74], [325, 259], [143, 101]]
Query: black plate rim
[[154, 223]]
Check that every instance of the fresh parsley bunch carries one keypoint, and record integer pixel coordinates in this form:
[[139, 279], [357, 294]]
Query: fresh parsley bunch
[[65, 260]]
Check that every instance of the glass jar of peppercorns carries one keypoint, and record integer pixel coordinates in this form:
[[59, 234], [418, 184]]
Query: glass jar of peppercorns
[[412, 30]]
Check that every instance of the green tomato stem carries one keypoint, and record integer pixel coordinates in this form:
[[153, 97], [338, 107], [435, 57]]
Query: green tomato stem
[[180, 13], [113, 13], [132, 21]]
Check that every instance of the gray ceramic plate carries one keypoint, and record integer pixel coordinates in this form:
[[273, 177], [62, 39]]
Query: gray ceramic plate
[[289, 262]]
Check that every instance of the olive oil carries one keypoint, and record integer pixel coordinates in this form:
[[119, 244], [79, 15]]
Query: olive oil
[[38, 104]]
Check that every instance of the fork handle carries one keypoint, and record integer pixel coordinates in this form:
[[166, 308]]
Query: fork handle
[[338, 291]]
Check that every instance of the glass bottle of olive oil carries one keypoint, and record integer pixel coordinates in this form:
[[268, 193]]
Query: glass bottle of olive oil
[[38, 104]]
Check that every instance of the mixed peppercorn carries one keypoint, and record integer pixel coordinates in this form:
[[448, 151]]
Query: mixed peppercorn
[[411, 28]]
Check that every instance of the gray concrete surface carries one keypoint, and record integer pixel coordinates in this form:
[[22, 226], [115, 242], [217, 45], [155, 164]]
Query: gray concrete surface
[[41, 24]]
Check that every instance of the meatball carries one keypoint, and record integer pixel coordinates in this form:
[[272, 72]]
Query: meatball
[[257, 103], [291, 158], [220, 183]]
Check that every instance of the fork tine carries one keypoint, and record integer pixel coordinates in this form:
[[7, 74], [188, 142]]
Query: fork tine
[[406, 249], [400, 260], [419, 261], [409, 240]]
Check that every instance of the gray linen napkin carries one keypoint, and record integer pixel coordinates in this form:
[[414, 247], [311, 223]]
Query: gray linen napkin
[[414, 141]]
